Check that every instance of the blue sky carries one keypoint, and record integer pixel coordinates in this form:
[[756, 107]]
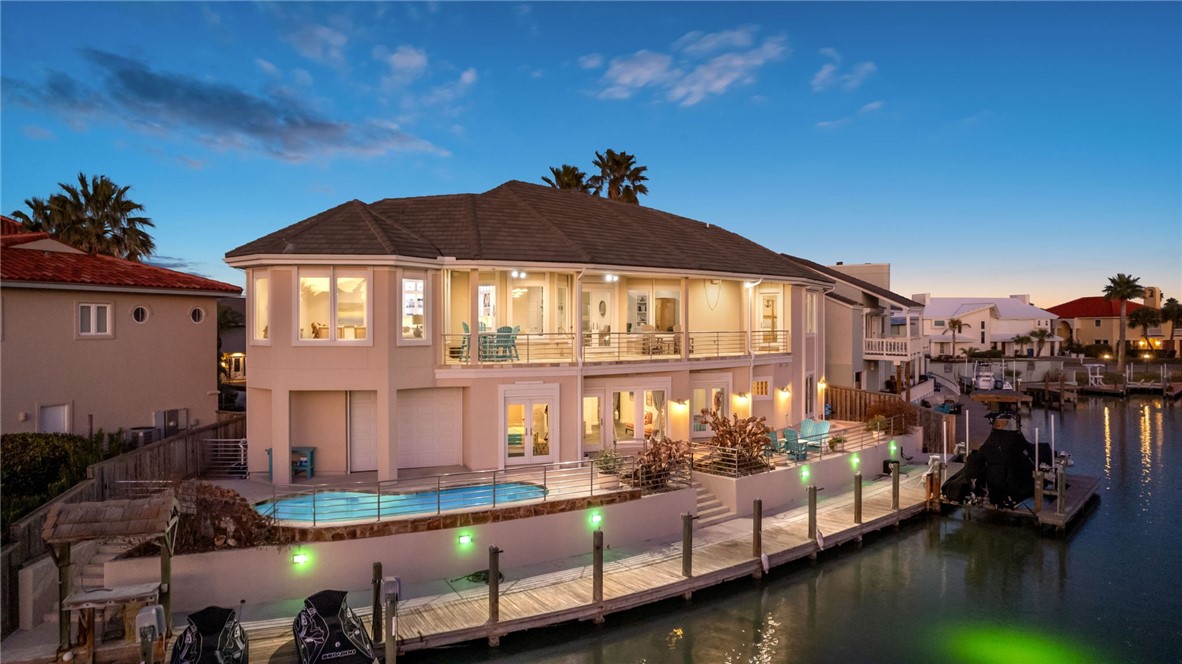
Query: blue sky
[[981, 149]]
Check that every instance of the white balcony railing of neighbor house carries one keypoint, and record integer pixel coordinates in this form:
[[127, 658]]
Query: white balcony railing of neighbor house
[[500, 348], [891, 348]]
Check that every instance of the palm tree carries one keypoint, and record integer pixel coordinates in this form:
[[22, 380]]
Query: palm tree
[[568, 177], [619, 176], [1021, 341], [956, 325], [1123, 287], [1171, 312], [1145, 318], [96, 216], [1040, 336]]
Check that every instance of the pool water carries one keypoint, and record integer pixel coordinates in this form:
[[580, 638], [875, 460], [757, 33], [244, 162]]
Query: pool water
[[334, 506]]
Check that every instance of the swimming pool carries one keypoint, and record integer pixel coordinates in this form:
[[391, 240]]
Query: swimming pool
[[336, 506]]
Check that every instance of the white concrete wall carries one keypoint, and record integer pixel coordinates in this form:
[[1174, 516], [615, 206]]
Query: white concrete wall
[[784, 488], [267, 574]]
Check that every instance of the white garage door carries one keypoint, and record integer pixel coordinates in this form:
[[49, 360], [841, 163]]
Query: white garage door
[[430, 427]]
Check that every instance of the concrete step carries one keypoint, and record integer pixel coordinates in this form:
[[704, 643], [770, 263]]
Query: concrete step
[[710, 509]]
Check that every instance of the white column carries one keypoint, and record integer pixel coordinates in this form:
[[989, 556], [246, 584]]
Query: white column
[[281, 437]]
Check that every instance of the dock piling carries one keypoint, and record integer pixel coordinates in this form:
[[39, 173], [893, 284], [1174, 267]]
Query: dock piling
[[597, 566], [757, 527], [494, 584], [687, 545], [391, 588], [894, 485], [812, 493], [376, 589], [858, 497]]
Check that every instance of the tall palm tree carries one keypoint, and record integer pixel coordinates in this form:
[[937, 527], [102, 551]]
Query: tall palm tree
[[1040, 336], [1021, 341], [1171, 312], [95, 216], [1123, 287], [619, 177], [956, 325], [568, 177], [1145, 318]]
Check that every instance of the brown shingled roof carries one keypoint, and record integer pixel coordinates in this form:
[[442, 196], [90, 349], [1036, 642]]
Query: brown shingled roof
[[518, 221], [140, 518]]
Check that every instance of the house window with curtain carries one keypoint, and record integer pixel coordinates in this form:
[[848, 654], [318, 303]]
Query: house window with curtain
[[261, 306], [333, 305], [414, 309]]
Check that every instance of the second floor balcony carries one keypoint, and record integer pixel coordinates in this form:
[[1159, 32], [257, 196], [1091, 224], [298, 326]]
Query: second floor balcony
[[509, 347], [892, 348]]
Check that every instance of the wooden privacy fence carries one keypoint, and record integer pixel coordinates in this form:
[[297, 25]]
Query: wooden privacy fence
[[176, 457], [853, 405]]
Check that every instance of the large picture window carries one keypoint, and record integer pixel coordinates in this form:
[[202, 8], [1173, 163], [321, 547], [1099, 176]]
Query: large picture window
[[333, 304], [261, 306]]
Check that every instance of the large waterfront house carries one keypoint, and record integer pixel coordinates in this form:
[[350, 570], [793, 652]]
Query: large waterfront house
[[872, 335], [990, 323], [1096, 321], [521, 325], [95, 342]]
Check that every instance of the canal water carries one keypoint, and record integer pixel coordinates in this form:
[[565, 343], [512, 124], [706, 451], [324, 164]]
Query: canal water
[[944, 589]]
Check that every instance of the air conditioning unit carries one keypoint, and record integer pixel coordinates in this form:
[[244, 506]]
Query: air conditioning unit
[[140, 436], [171, 422]]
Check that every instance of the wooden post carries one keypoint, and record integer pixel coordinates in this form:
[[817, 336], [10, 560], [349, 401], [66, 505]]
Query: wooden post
[[166, 580], [376, 585], [597, 566], [858, 497], [687, 545], [63, 591], [908, 397], [812, 493], [494, 586], [1060, 489], [757, 528], [1037, 491], [391, 588], [895, 485]]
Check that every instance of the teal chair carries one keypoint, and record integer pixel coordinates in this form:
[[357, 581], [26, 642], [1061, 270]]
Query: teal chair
[[465, 342], [794, 447]]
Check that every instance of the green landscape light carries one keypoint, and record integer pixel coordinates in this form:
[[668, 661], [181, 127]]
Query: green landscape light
[[804, 473], [596, 518], [464, 539], [299, 559], [994, 644], [894, 448], [854, 460]]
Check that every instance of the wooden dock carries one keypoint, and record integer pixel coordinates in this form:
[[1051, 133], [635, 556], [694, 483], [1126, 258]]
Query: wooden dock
[[719, 555], [1080, 490]]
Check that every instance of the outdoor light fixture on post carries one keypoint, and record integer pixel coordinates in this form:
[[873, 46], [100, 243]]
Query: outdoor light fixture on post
[[391, 589], [149, 625]]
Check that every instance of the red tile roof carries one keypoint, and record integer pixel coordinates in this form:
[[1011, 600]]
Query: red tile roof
[[1092, 307], [57, 267]]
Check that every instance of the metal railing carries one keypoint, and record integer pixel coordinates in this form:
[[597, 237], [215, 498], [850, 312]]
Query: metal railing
[[501, 348], [734, 462], [898, 348], [362, 502]]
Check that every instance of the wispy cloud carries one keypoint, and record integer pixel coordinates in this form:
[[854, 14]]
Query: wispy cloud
[[979, 116], [38, 133], [689, 75], [320, 43], [212, 113], [406, 63], [834, 124], [831, 76], [266, 67], [591, 61], [871, 107]]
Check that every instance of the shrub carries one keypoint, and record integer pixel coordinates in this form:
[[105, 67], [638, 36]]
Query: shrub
[[39, 466], [1097, 350], [609, 462], [747, 437], [655, 465]]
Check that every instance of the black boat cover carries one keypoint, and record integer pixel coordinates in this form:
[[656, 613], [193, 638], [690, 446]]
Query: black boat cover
[[327, 630], [214, 636], [1002, 469]]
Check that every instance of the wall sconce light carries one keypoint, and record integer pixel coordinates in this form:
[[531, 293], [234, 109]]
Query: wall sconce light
[[464, 539], [822, 384], [518, 274], [681, 402], [742, 395], [611, 278], [787, 390]]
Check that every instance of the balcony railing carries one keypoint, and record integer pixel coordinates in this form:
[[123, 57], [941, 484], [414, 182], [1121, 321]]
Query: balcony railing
[[501, 348], [891, 348]]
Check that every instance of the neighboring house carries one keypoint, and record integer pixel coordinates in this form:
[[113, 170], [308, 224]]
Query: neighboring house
[[232, 338], [1095, 320], [990, 323], [94, 342], [872, 335], [521, 325]]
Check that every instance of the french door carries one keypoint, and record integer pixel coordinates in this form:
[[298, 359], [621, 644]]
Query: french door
[[530, 425]]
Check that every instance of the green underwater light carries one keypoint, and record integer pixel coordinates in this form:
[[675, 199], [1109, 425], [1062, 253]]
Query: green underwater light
[[1005, 644]]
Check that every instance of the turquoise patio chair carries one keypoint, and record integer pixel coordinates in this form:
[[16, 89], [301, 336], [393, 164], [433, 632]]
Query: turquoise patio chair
[[465, 342], [794, 447]]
